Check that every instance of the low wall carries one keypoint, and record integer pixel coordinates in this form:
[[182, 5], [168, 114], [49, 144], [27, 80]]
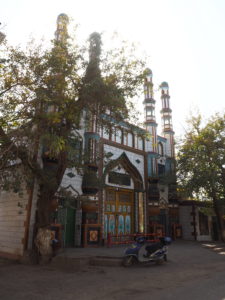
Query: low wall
[[13, 223]]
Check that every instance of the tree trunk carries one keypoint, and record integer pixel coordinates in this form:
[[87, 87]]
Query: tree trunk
[[44, 236], [43, 242], [48, 188]]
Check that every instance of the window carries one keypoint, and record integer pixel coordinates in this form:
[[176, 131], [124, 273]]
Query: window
[[113, 134], [125, 138], [140, 143], [130, 140], [160, 149], [118, 133], [125, 197], [105, 133], [167, 121], [119, 178], [150, 111], [161, 169], [111, 195]]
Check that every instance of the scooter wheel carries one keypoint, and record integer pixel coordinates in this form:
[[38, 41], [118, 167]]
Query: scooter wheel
[[165, 257], [128, 261]]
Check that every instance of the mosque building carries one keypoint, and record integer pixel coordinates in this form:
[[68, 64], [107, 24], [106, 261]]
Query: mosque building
[[137, 171], [136, 168]]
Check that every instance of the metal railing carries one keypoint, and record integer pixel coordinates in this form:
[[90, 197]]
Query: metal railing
[[123, 239]]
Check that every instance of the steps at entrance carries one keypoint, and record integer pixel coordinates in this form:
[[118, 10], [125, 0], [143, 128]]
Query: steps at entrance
[[75, 263]]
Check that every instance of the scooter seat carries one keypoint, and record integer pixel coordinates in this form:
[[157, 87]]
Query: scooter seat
[[151, 248]]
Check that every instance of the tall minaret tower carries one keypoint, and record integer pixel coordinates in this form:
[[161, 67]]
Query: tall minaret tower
[[61, 33], [149, 107], [166, 115], [90, 184]]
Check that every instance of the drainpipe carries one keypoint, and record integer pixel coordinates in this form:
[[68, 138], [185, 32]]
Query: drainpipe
[[27, 222], [194, 221]]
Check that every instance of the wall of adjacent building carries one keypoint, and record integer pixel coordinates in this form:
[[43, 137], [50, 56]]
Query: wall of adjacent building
[[200, 236], [13, 223], [186, 220]]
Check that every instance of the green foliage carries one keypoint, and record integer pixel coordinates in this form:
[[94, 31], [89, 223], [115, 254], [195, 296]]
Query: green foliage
[[110, 80], [201, 158], [207, 211], [201, 163], [43, 95]]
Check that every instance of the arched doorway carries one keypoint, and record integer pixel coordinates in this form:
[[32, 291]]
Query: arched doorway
[[123, 197], [119, 211]]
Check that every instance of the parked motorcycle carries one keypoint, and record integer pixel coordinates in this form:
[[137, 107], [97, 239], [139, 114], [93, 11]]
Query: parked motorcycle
[[144, 252]]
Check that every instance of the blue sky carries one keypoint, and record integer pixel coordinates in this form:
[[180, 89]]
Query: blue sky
[[184, 39]]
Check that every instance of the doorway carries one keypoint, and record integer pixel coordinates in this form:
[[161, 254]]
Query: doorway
[[66, 217], [118, 218]]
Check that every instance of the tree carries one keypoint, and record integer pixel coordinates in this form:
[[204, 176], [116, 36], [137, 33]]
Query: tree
[[201, 163], [2, 35], [43, 94]]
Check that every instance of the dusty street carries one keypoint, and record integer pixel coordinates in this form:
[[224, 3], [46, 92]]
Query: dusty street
[[192, 272]]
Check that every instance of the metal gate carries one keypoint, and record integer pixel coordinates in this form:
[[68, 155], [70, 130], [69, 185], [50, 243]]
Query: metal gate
[[66, 217]]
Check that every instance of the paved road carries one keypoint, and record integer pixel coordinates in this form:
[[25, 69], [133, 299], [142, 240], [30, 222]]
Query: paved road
[[192, 272]]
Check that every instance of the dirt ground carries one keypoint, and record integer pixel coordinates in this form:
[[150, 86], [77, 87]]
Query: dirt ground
[[192, 272]]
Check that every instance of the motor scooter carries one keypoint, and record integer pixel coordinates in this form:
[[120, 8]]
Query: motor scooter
[[144, 252]]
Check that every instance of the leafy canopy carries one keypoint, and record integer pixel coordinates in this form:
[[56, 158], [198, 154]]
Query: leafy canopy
[[201, 158], [43, 95]]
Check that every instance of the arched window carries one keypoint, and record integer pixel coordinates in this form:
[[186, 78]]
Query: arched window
[[130, 138], [118, 133], [160, 149], [150, 111], [113, 134], [167, 121], [140, 143], [125, 137], [105, 133]]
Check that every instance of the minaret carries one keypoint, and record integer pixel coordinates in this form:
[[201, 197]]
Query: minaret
[[90, 183], [93, 78], [61, 33], [149, 107], [166, 115], [61, 36]]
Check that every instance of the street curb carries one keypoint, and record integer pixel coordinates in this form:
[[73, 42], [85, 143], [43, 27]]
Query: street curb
[[106, 261], [65, 262]]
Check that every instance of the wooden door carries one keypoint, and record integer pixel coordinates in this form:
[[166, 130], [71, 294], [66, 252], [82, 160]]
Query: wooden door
[[118, 212]]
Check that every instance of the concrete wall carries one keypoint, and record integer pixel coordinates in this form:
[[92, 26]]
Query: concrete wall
[[201, 237], [186, 220], [13, 218]]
